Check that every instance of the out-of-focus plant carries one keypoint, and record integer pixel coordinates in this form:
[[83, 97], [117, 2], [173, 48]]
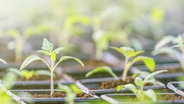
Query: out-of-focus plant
[[64, 32], [164, 47], [29, 74], [101, 42], [156, 18], [48, 50], [71, 91], [5, 84], [102, 69], [131, 57], [137, 89], [20, 38]]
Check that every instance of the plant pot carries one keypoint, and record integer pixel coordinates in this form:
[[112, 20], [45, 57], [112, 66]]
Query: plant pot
[[53, 100], [37, 84], [163, 98], [80, 74], [96, 86]]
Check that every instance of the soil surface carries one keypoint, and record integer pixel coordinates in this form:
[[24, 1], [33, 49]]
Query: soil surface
[[40, 77], [172, 97], [114, 84], [95, 63], [58, 95]]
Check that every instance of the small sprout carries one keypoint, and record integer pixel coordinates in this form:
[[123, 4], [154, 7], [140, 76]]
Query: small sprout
[[131, 57], [101, 42], [102, 69], [137, 89], [70, 91], [20, 37], [163, 47], [29, 74], [48, 50]]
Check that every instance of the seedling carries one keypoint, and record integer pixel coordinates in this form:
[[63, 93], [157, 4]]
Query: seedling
[[70, 91], [102, 69], [48, 50], [101, 42], [137, 89], [29, 74], [63, 35], [20, 38], [131, 58], [163, 47]]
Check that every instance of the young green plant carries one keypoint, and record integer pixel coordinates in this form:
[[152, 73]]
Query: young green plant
[[71, 92], [48, 50], [137, 89], [131, 57], [162, 47], [20, 38], [28, 74]]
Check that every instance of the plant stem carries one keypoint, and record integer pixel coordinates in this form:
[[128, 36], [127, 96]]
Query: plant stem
[[18, 49], [126, 68], [98, 53], [52, 83]]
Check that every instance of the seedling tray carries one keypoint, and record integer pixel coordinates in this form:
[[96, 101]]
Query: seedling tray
[[130, 98], [53, 100], [93, 85]]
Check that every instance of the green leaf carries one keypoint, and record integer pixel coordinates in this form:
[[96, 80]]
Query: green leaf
[[164, 50], [153, 74], [28, 74], [151, 94], [149, 62], [102, 69], [138, 81], [151, 80], [48, 46], [28, 60], [57, 50], [128, 86], [3, 61], [15, 70], [164, 42], [119, 87], [131, 87], [53, 57], [127, 51], [9, 80], [44, 52], [75, 89], [70, 57], [43, 72]]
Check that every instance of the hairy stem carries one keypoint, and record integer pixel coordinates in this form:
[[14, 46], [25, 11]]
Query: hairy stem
[[126, 68], [52, 83], [52, 79]]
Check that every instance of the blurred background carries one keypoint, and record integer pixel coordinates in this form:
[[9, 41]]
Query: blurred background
[[87, 26]]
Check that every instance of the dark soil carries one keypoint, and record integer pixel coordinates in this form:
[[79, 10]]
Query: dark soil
[[58, 95], [172, 97], [40, 77], [114, 84], [95, 63]]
